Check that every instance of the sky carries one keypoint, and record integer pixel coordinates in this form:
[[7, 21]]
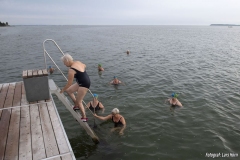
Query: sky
[[122, 12]]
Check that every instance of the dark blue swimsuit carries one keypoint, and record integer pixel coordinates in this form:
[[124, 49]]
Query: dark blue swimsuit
[[117, 124], [96, 108], [82, 78]]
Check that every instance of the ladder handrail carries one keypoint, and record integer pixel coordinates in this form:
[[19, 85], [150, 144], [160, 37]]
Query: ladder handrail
[[45, 52]]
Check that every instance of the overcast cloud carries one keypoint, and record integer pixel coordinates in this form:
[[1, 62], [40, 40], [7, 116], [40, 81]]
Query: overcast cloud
[[123, 12]]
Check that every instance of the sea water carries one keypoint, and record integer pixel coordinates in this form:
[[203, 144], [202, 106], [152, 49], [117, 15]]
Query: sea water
[[200, 63]]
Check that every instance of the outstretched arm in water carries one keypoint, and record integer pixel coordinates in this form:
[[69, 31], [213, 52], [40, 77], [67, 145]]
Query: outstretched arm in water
[[103, 118]]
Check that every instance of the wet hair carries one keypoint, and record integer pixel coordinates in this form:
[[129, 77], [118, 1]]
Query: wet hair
[[66, 58], [115, 111]]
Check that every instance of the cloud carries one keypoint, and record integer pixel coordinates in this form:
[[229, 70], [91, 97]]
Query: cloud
[[119, 12]]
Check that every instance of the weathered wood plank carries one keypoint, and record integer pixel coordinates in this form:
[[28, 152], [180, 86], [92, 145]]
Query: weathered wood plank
[[17, 94], [37, 135], [11, 152], [66, 157], [24, 99], [25, 150], [59, 133], [5, 119], [9, 98], [40, 73], [45, 72], [56, 158], [30, 74], [48, 134], [24, 75], [35, 73], [3, 95]]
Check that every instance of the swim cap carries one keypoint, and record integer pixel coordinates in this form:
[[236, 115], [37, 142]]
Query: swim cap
[[115, 77], [174, 95], [95, 95], [100, 65]]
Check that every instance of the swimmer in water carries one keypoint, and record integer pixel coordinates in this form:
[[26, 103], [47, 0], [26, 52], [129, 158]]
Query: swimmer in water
[[50, 70], [115, 81], [95, 105], [117, 119], [174, 101], [128, 51], [100, 68]]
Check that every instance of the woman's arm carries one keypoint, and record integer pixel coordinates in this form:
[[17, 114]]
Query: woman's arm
[[88, 105], [70, 80], [103, 118], [179, 103], [111, 82], [101, 105], [124, 126]]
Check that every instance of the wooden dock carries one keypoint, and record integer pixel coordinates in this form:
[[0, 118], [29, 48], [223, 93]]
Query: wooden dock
[[30, 131]]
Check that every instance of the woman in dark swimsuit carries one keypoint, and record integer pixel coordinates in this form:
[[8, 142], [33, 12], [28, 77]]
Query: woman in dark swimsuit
[[95, 105], [76, 70], [116, 118]]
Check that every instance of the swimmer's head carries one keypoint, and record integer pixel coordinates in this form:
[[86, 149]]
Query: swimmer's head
[[95, 95], [114, 77], [115, 111], [50, 67], [174, 95], [99, 65]]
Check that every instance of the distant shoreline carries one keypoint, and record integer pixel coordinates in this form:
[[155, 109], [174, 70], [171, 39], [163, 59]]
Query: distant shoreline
[[5, 26], [224, 25]]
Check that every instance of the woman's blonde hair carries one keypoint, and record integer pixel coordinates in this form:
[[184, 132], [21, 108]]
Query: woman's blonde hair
[[66, 58], [115, 111]]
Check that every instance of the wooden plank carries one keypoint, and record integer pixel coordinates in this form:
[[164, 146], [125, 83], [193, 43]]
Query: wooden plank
[[11, 152], [24, 75], [17, 94], [25, 149], [59, 133], [56, 158], [35, 73], [5, 119], [48, 134], [30, 74], [45, 72], [3, 95], [66, 157], [9, 98], [36, 130], [40, 73], [24, 99]]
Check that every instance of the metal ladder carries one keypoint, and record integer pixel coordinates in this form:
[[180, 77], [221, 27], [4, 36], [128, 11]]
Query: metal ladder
[[54, 89]]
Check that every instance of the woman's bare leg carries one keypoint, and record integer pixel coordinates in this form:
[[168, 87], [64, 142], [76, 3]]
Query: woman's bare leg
[[80, 95], [71, 90]]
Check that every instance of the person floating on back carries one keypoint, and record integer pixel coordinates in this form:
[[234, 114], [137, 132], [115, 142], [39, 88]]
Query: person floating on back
[[100, 68], [174, 101], [117, 119], [50, 70], [95, 105], [115, 81]]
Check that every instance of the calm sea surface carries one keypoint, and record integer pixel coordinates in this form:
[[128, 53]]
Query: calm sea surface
[[201, 63]]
